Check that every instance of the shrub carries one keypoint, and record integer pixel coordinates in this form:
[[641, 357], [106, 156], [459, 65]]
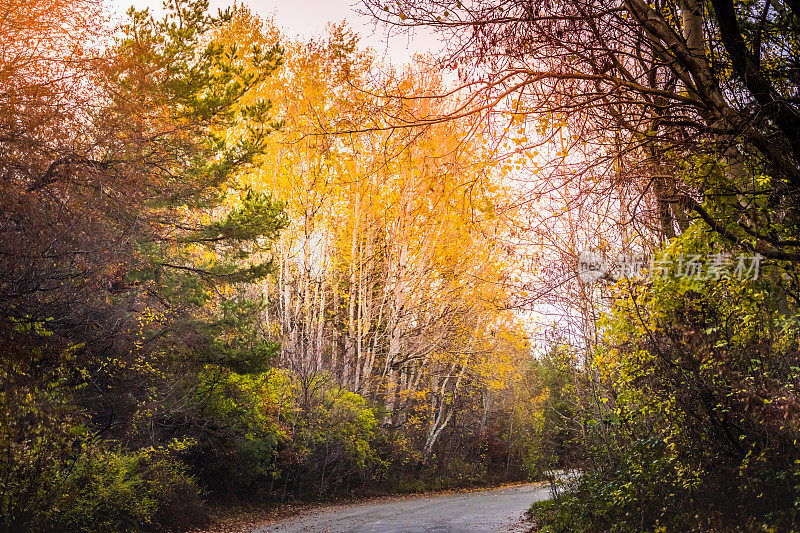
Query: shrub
[[114, 492], [104, 493]]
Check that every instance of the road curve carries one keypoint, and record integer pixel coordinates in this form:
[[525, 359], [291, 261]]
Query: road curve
[[489, 511]]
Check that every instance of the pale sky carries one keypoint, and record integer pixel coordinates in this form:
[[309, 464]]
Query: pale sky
[[308, 18]]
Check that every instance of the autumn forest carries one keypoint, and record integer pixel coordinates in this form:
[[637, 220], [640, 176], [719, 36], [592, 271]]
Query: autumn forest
[[241, 268]]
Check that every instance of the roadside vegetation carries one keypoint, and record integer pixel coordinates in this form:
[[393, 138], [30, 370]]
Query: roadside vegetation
[[665, 134], [208, 298], [241, 268]]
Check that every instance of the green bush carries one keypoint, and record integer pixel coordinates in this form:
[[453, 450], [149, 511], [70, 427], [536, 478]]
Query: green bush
[[696, 421], [125, 492], [243, 422], [336, 439], [179, 502], [40, 439], [643, 492], [275, 434], [105, 493]]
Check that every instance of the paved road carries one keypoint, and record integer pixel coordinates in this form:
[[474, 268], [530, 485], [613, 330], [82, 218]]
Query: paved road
[[495, 510]]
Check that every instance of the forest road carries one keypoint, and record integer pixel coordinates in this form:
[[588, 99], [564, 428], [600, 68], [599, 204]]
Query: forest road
[[485, 511]]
